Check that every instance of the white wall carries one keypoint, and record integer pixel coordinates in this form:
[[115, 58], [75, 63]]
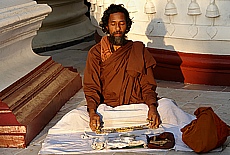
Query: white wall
[[181, 32]]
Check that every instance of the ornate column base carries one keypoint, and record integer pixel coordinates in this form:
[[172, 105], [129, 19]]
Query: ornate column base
[[31, 102]]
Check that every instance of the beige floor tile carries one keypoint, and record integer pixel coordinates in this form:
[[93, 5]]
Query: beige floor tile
[[183, 96], [213, 97], [226, 151]]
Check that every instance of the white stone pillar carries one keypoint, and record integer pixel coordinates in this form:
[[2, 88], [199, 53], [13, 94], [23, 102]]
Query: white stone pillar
[[19, 22]]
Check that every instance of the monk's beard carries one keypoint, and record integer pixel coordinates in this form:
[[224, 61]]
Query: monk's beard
[[117, 40]]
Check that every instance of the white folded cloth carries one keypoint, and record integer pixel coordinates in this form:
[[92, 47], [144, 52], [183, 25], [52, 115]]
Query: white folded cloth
[[76, 122]]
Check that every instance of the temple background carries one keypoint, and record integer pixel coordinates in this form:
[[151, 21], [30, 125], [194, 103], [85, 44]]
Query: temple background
[[190, 39], [191, 26]]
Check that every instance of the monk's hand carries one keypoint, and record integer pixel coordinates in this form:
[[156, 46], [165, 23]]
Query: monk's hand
[[94, 120], [153, 117]]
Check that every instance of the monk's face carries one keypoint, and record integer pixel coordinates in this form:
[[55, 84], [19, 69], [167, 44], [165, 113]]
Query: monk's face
[[117, 27]]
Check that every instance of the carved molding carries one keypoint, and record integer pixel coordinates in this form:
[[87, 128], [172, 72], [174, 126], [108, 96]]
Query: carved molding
[[21, 21], [33, 101]]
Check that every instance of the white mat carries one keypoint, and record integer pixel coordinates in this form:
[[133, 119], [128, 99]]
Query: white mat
[[65, 136]]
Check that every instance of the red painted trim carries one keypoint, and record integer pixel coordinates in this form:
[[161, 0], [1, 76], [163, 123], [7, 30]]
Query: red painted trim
[[6, 117], [192, 68]]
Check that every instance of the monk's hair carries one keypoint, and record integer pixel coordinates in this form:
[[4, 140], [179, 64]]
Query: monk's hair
[[113, 8]]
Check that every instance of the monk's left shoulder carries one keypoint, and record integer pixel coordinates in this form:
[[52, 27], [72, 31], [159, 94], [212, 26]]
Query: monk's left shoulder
[[140, 46], [138, 43]]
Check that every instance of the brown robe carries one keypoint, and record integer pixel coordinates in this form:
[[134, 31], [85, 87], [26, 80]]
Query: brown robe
[[205, 133], [126, 77]]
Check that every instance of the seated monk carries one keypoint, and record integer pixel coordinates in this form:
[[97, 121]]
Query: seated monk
[[119, 71], [120, 91]]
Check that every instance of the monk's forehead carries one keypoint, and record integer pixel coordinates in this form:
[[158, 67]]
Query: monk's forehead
[[118, 16]]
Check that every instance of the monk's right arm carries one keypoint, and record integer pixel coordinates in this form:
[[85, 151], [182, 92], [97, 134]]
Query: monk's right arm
[[91, 82], [92, 88]]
